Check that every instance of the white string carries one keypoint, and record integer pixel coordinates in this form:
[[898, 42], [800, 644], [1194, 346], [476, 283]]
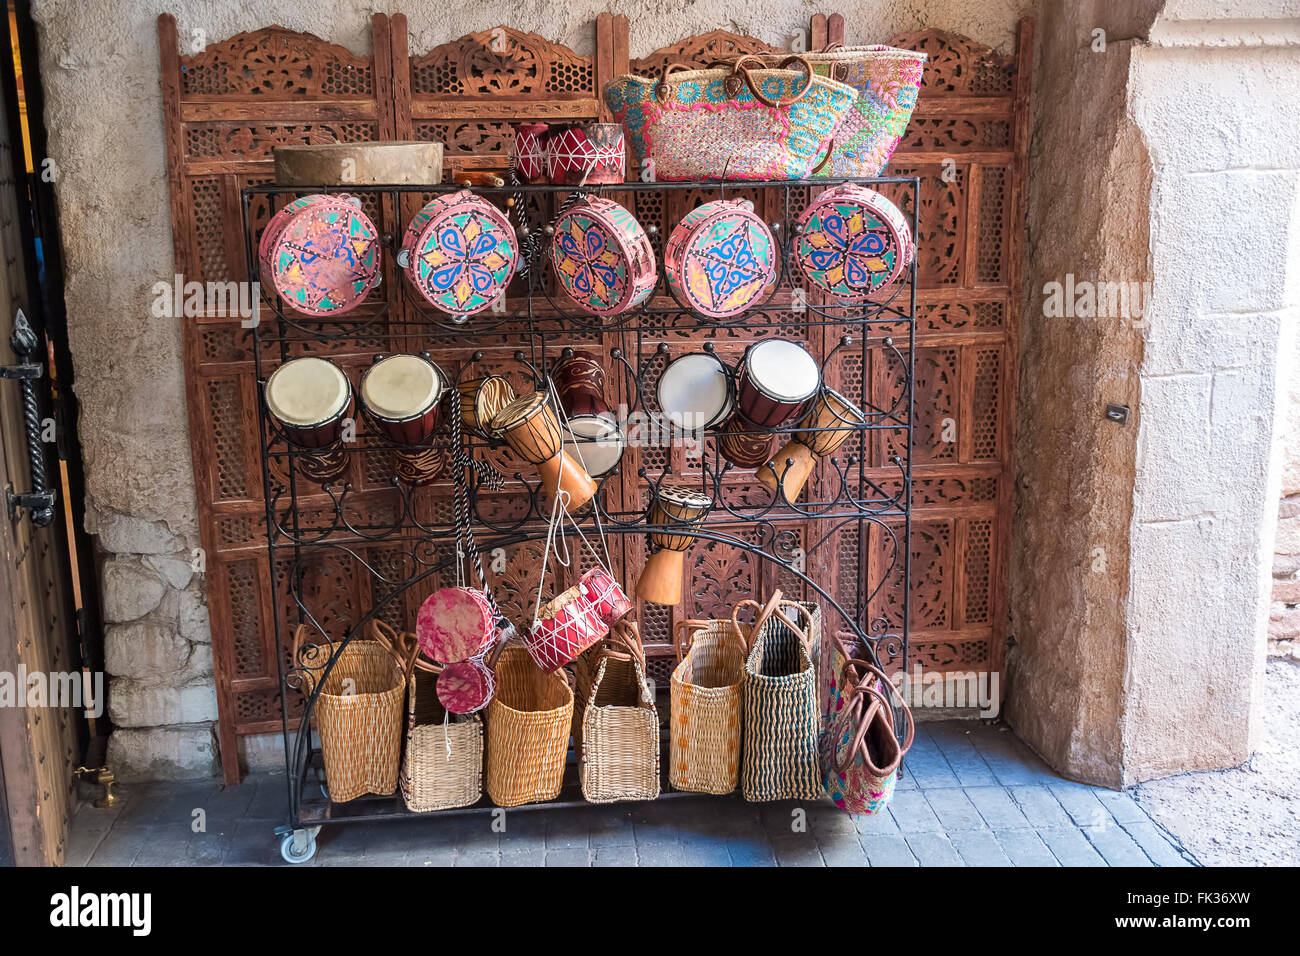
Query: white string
[[446, 737], [577, 447]]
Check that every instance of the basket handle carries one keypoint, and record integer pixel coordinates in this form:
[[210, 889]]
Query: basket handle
[[765, 611], [743, 73], [862, 690], [403, 646], [661, 90], [308, 678], [625, 634], [805, 614], [684, 635]]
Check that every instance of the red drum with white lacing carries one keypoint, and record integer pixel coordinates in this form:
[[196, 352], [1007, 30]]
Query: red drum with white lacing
[[530, 151], [455, 624], [604, 594], [586, 153], [566, 626], [466, 686]]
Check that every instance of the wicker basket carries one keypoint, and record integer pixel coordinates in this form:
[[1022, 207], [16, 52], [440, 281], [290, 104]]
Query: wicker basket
[[779, 758], [442, 766], [528, 726], [358, 715], [707, 706], [620, 726]]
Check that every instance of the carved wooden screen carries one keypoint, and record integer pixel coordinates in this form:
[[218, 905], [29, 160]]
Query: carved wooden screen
[[226, 106]]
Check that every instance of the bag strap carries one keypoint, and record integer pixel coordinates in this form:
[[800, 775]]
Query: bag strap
[[864, 701], [661, 89], [404, 647], [764, 612], [684, 635], [743, 72]]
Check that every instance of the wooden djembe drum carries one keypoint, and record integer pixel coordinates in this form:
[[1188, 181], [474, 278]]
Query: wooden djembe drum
[[831, 420], [529, 426], [684, 510], [403, 397]]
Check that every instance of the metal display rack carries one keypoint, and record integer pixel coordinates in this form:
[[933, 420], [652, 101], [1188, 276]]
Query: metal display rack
[[538, 320]]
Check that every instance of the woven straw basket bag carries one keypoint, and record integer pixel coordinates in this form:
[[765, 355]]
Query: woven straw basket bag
[[620, 725], [358, 715], [707, 706], [779, 760], [442, 765], [528, 726]]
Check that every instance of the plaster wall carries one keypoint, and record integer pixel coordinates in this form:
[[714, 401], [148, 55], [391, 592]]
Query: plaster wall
[[99, 65]]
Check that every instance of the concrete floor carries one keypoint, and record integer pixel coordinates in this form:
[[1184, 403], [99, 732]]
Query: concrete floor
[[973, 795]]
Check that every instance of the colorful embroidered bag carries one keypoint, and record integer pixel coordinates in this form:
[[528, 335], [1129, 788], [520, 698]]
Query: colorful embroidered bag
[[860, 752], [733, 123]]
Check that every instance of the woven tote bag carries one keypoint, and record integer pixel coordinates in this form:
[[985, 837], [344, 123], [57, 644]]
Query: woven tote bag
[[620, 725], [528, 726], [887, 81], [358, 716], [442, 765], [860, 752], [706, 706], [734, 123], [779, 760]]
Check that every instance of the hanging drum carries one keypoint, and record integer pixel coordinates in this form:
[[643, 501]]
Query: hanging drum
[[455, 624], [831, 420], [309, 399], [696, 392], [321, 254], [721, 259], [682, 511], [466, 686], [530, 151], [530, 427], [403, 398], [585, 154], [481, 398], [853, 242], [602, 257], [775, 381], [460, 252], [593, 437]]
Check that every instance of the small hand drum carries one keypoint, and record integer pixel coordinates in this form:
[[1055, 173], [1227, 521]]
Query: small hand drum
[[696, 392], [853, 242], [481, 398], [321, 254], [603, 593], [530, 427], [721, 259], [466, 686], [566, 626], [831, 420], [743, 445], [309, 399], [684, 510], [403, 397], [455, 624], [775, 381], [580, 384], [530, 151], [586, 153], [460, 252], [602, 257]]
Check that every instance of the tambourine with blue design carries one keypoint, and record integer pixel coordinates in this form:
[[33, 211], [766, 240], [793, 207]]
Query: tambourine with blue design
[[460, 253], [602, 257], [853, 243], [721, 259]]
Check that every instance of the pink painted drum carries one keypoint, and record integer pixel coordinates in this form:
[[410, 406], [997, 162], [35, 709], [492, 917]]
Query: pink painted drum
[[586, 153], [602, 257], [603, 593], [309, 399], [696, 392], [466, 686], [775, 381], [853, 242], [321, 254], [460, 252], [530, 151], [566, 626], [403, 397], [721, 259], [455, 624]]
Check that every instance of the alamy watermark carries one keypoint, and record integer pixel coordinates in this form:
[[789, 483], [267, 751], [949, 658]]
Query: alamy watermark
[[952, 689], [193, 300], [55, 689], [1086, 299]]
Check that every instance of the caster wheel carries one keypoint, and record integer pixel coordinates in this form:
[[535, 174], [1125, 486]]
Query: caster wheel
[[291, 855]]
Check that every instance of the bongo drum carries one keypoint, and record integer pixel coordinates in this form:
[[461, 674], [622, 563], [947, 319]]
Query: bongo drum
[[721, 259], [455, 624], [321, 254], [580, 385], [403, 397], [530, 151], [530, 427], [832, 412], [586, 153], [595, 442], [602, 257], [466, 686], [684, 510], [460, 253], [309, 399], [775, 380], [853, 242], [744, 446], [565, 627], [695, 391], [481, 398]]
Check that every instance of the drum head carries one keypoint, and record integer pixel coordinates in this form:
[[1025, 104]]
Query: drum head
[[521, 409], [592, 255], [603, 448], [853, 242], [327, 258], [401, 387], [454, 624], [307, 391], [694, 391], [728, 259], [783, 370], [684, 503]]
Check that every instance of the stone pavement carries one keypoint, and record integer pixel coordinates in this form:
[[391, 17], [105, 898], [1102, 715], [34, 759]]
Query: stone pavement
[[973, 795]]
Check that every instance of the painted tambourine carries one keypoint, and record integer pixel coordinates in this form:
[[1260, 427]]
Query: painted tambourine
[[460, 252], [602, 257], [321, 254], [853, 242], [721, 259]]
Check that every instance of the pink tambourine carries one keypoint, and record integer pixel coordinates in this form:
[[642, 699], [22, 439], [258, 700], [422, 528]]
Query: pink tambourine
[[321, 254], [602, 257], [455, 624], [853, 242], [566, 626], [460, 253], [603, 593], [721, 259], [466, 686]]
